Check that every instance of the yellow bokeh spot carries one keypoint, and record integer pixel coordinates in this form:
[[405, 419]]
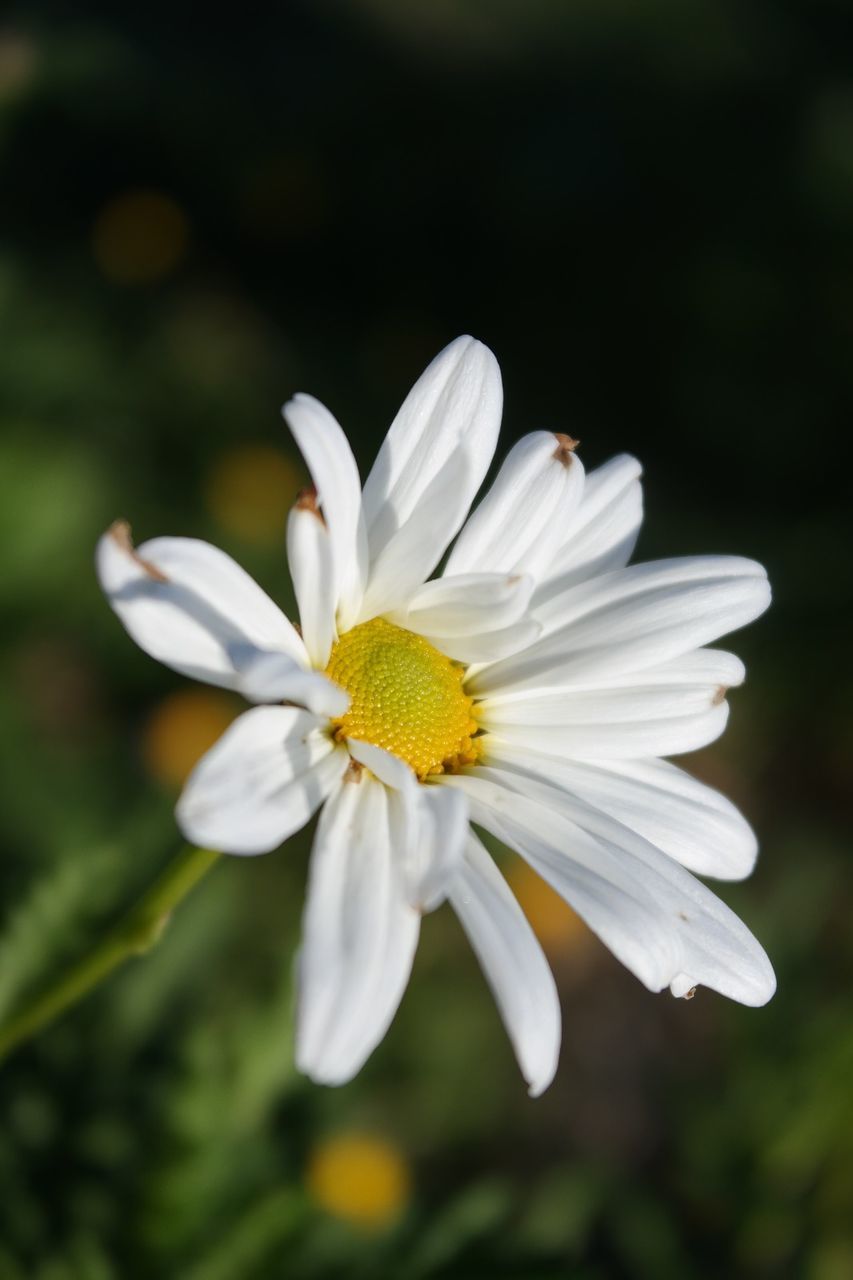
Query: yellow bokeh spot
[[139, 236], [359, 1178], [181, 729], [406, 697], [249, 491], [556, 925]]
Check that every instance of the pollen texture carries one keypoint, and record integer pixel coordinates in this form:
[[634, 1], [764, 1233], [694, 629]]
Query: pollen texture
[[406, 697]]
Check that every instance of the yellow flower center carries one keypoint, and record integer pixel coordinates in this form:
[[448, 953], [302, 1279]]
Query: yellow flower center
[[406, 697]]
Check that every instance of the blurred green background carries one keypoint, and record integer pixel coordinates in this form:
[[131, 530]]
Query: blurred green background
[[645, 207]]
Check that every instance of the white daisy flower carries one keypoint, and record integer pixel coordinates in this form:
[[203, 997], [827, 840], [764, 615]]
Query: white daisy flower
[[530, 689]]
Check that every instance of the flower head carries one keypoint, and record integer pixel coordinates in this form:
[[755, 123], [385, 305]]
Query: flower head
[[531, 688]]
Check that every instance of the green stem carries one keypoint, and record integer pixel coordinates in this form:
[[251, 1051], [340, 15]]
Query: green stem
[[137, 933]]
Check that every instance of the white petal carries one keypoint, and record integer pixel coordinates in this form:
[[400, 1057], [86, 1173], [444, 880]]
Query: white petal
[[586, 875], [679, 815], [718, 950], [513, 964], [428, 825], [359, 936], [487, 646], [713, 667], [520, 522], [633, 619], [467, 604], [309, 553], [429, 469], [453, 409], [615, 723], [603, 530], [273, 677], [678, 581], [387, 767], [333, 469], [189, 605], [409, 557], [263, 780], [652, 914], [429, 836]]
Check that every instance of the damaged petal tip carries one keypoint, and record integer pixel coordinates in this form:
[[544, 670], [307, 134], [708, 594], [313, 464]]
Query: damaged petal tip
[[120, 533], [720, 695], [306, 500], [565, 448]]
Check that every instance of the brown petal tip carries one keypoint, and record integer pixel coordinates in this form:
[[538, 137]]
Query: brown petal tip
[[306, 500], [119, 531], [565, 448]]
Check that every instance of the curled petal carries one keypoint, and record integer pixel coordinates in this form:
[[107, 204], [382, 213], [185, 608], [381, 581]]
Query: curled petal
[[266, 776], [428, 826], [189, 605]]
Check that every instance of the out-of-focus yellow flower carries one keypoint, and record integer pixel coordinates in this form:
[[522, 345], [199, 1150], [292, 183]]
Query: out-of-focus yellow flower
[[181, 729], [250, 489], [139, 236], [556, 926], [360, 1178]]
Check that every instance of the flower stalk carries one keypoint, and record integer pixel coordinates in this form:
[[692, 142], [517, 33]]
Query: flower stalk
[[139, 931]]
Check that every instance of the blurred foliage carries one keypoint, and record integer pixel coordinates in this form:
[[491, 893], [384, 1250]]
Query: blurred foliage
[[646, 208]]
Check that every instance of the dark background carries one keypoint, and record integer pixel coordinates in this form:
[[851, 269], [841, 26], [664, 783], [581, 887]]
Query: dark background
[[645, 207]]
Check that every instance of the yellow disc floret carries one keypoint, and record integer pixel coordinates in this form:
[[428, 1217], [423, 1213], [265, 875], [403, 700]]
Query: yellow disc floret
[[406, 697]]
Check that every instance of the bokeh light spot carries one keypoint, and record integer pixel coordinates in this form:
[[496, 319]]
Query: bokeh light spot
[[139, 237], [181, 729], [249, 491], [359, 1178]]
